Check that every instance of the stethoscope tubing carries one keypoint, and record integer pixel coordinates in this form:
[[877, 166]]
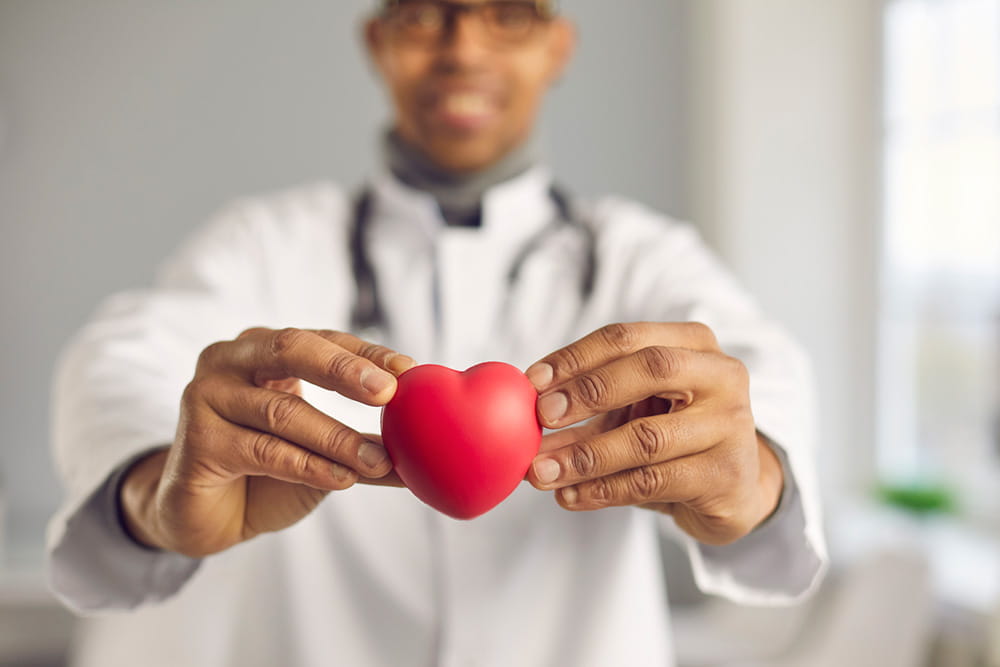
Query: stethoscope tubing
[[367, 312]]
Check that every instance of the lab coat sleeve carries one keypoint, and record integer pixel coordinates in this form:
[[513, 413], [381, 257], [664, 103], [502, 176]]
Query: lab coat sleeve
[[94, 565], [668, 274], [117, 394]]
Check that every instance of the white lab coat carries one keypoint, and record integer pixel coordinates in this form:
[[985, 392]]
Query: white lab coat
[[373, 576]]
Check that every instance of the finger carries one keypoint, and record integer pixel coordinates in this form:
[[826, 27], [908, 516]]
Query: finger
[[385, 357], [673, 373], [392, 479], [702, 504], [663, 508], [640, 442], [250, 452], [679, 481], [262, 355], [293, 419], [614, 341], [288, 385], [561, 438]]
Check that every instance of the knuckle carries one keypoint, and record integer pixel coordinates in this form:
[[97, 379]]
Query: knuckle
[[211, 354], [251, 332], [592, 390], [645, 483], [263, 450], [336, 336], [341, 443], [701, 331], [584, 460], [194, 391], [343, 365], [200, 390], [660, 362], [621, 337], [601, 490], [651, 440], [303, 464], [738, 371], [569, 361], [306, 465], [376, 352], [280, 410], [283, 339]]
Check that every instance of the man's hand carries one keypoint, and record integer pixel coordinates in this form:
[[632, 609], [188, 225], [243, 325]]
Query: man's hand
[[670, 429], [250, 455]]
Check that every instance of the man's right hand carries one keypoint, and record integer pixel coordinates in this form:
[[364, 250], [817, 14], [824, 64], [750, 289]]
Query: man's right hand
[[250, 455]]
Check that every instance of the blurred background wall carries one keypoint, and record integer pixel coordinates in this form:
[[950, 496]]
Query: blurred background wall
[[126, 124], [123, 125]]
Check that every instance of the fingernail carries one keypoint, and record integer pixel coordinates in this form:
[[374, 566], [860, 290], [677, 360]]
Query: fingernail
[[540, 375], [546, 470], [569, 495], [400, 363], [372, 455], [375, 381], [341, 474], [553, 406]]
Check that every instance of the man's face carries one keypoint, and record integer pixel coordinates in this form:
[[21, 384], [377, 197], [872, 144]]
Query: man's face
[[466, 85]]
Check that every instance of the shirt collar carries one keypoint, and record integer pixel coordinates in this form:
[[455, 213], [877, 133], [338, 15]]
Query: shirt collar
[[459, 194], [512, 210]]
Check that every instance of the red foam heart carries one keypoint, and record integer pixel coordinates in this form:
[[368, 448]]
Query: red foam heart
[[462, 442]]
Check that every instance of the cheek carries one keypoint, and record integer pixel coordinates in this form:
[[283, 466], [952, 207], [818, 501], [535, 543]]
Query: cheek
[[403, 72], [522, 111], [530, 83]]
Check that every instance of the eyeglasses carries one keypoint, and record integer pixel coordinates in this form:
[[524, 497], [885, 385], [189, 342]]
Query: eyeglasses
[[505, 21]]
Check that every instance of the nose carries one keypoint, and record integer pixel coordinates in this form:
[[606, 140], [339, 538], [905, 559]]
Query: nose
[[465, 42]]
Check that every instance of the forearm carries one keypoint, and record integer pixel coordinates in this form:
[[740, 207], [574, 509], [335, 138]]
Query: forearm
[[137, 499]]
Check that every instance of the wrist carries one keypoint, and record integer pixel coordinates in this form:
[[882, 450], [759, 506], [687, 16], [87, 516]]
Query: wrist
[[771, 479], [137, 500]]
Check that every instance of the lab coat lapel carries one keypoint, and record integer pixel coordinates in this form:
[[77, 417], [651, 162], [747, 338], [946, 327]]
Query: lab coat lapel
[[444, 289]]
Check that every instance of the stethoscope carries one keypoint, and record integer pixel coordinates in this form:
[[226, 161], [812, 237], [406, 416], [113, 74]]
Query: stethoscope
[[368, 314]]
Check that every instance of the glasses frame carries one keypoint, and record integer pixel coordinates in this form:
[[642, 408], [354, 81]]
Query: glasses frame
[[547, 10]]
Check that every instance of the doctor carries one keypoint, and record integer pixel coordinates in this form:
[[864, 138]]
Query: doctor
[[217, 433]]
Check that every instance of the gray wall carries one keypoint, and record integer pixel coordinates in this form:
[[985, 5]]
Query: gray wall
[[785, 182], [124, 124]]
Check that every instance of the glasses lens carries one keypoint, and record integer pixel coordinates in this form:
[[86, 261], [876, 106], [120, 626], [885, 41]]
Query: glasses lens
[[510, 19], [428, 20], [418, 18]]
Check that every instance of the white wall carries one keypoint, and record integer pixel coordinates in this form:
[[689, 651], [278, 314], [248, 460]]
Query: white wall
[[125, 123], [784, 153]]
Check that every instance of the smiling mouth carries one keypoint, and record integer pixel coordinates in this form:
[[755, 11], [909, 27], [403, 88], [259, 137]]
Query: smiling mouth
[[464, 111], [466, 104]]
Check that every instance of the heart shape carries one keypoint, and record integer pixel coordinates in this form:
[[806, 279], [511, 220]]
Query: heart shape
[[463, 441]]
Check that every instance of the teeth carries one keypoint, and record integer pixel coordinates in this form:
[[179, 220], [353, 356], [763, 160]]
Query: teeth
[[469, 104]]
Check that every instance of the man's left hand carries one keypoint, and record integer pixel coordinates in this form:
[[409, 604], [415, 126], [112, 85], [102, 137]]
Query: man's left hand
[[670, 429]]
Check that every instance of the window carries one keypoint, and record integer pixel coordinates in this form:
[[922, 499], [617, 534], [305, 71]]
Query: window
[[939, 375]]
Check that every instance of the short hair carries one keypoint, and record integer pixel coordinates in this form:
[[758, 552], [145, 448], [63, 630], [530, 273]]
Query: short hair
[[547, 7]]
